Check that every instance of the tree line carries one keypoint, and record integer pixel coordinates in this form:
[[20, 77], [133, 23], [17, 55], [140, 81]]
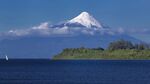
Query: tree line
[[123, 44], [120, 49], [116, 45]]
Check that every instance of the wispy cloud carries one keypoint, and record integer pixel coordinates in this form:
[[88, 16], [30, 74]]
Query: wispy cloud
[[44, 29], [44, 25], [132, 31]]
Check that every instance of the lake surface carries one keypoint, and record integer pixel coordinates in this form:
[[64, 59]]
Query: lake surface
[[74, 72]]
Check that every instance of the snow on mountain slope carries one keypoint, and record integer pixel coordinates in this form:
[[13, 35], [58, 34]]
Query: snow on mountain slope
[[82, 20], [86, 20]]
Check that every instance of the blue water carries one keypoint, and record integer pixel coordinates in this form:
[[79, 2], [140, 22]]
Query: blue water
[[74, 72]]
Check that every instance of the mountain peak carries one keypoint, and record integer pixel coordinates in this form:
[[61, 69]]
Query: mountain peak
[[86, 20], [85, 14]]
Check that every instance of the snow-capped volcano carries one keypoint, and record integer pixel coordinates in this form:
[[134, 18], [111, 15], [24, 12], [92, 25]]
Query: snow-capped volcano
[[85, 19], [82, 20]]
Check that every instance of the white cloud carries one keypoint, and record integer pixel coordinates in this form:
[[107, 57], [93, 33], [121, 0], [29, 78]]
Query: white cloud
[[44, 30], [133, 31], [111, 33], [121, 30], [17, 32], [63, 30], [44, 25]]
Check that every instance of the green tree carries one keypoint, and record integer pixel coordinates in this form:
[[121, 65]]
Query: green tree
[[120, 44], [142, 46]]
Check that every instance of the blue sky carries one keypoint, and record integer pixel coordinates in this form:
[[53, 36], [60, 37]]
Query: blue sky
[[127, 14]]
